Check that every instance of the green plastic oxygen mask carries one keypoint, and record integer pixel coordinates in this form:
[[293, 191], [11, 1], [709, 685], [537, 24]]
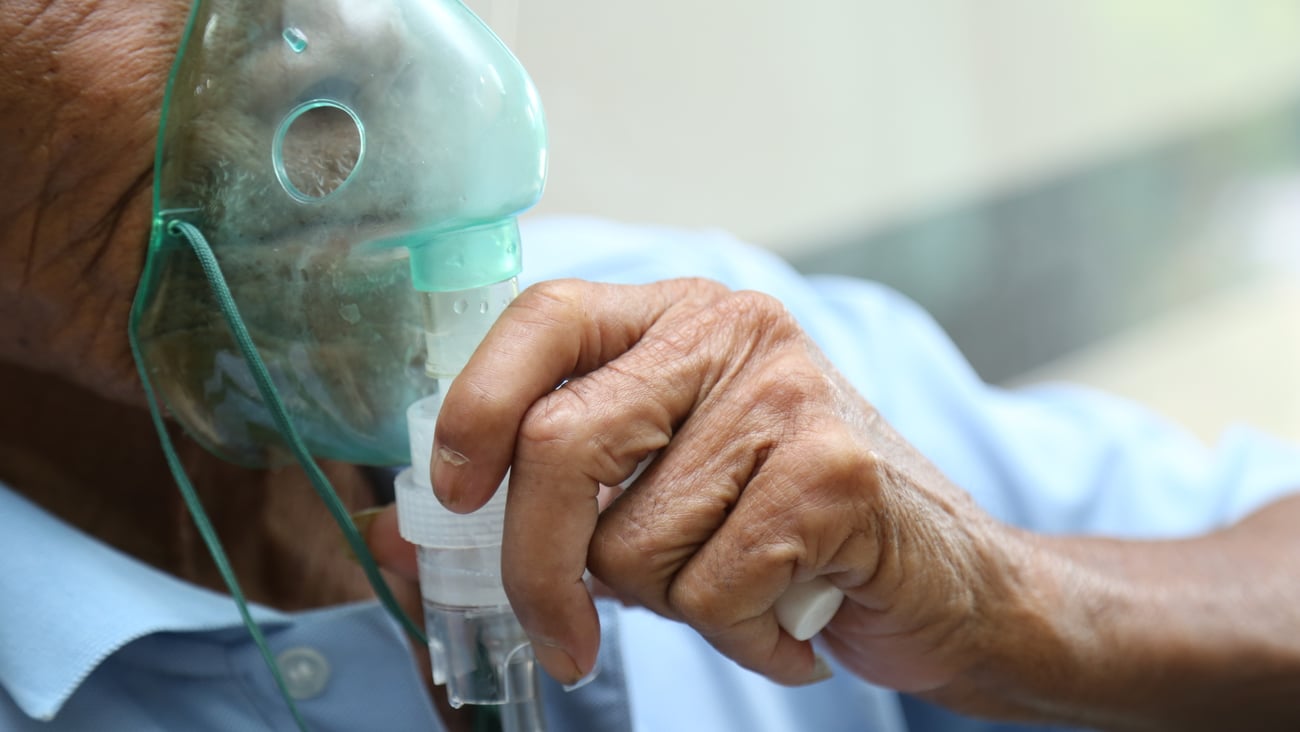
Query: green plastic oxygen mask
[[335, 155], [334, 231]]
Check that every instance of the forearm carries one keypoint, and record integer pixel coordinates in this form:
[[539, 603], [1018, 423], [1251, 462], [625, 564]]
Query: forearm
[[1190, 634]]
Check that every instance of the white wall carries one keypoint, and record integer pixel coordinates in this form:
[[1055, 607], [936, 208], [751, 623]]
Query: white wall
[[790, 122]]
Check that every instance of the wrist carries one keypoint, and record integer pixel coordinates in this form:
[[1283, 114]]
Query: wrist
[[1136, 635], [1035, 632]]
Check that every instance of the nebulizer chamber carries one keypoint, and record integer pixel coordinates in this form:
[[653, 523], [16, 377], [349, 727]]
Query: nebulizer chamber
[[357, 167], [476, 645]]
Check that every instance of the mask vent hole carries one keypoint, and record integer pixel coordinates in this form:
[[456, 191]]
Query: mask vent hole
[[318, 149]]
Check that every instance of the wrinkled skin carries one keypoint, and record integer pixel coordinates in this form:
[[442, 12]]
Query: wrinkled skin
[[79, 102], [81, 87], [769, 469]]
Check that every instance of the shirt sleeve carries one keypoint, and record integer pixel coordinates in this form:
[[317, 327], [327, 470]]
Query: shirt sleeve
[[1054, 459]]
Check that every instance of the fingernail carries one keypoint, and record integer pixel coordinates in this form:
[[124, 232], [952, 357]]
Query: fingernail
[[362, 520], [558, 663], [448, 455], [447, 491], [821, 670], [590, 677]]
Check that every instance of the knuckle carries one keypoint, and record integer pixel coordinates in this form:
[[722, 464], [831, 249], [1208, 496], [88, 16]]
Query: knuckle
[[621, 550], [790, 396], [555, 420], [760, 312], [845, 462], [552, 300], [789, 381], [701, 289], [846, 455], [585, 422], [469, 403], [667, 349], [565, 291], [713, 595], [700, 605]]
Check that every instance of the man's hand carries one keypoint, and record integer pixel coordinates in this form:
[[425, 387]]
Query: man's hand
[[766, 469], [770, 469]]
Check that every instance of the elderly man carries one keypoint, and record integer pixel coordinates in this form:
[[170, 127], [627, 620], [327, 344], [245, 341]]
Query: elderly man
[[824, 428]]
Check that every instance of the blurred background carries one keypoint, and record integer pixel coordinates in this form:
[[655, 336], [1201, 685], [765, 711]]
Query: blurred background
[[1105, 191]]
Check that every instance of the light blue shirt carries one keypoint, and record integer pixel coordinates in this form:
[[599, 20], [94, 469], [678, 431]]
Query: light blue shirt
[[91, 639]]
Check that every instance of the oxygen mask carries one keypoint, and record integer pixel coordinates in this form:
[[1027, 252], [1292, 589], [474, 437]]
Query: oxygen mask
[[335, 195], [337, 156]]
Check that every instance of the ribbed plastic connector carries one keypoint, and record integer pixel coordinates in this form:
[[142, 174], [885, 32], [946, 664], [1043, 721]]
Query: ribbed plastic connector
[[460, 553], [477, 647]]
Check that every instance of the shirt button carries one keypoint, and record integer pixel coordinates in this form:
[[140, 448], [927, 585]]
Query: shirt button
[[305, 672]]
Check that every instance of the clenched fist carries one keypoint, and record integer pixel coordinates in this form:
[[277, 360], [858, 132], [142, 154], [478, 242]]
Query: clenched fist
[[767, 469]]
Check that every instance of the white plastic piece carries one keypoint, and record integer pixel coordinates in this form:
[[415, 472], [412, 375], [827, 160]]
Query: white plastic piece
[[421, 419], [455, 323], [477, 648], [459, 554], [422, 520], [807, 607]]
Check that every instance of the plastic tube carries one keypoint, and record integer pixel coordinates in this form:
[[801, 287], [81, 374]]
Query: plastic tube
[[477, 647]]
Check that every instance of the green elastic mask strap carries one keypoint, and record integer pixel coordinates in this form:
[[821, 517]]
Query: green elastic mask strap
[[280, 415]]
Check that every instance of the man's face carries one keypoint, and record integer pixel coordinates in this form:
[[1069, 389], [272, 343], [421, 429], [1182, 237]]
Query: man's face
[[310, 144], [283, 196], [79, 147], [80, 88]]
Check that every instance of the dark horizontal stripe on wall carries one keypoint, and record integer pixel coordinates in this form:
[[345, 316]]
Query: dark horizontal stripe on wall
[[1029, 275]]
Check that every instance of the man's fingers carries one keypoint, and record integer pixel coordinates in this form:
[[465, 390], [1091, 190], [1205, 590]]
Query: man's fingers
[[592, 432], [728, 588], [761, 646], [643, 540], [733, 560], [552, 332], [723, 554], [637, 365]]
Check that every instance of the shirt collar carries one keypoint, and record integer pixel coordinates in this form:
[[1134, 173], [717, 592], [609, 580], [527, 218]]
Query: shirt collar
[[72, 601]]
